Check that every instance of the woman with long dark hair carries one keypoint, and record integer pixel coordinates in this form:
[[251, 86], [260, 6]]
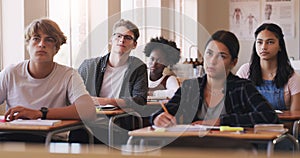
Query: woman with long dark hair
[[270, 69], [219, 97]]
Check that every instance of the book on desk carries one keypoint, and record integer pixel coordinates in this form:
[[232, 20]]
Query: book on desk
[[261, 128]]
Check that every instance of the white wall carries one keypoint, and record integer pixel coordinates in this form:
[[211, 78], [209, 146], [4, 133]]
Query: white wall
[[216, 16]]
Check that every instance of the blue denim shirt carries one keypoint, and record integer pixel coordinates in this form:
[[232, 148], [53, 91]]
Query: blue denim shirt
[[274, 95]]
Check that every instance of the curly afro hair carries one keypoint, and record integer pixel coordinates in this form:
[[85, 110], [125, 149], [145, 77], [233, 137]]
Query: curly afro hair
[[168, 47]]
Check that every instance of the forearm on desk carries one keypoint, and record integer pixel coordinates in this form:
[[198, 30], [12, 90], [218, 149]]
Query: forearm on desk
[[111, 101], [83, 109]]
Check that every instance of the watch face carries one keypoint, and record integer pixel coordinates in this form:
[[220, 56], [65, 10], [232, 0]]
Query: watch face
[[44, 110]]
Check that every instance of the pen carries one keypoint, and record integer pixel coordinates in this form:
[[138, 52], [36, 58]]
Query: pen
[[164, 107]]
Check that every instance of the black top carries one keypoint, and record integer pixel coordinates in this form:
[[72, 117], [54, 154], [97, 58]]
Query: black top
[[244, 105]]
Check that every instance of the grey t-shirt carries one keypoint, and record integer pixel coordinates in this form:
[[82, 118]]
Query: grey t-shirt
[[210, 113]]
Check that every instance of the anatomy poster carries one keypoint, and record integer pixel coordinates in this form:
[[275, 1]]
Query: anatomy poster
[[282, 13], [244, 17]]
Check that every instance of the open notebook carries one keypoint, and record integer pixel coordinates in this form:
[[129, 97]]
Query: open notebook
[[183, 128], [34, 122], [156, 98], [106, 107]]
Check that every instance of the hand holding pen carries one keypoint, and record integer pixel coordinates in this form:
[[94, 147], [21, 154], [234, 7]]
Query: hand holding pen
[[164, 119]]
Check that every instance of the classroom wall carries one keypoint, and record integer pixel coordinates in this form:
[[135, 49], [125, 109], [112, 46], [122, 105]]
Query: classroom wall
[[214, 15], [32, 12]]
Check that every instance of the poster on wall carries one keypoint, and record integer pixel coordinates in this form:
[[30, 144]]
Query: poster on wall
[[244, 17], [282, 13]]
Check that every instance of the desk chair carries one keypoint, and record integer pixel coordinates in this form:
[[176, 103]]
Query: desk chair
[[107, 127]]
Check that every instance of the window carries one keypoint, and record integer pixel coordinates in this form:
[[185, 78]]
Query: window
[[171, 19], [11, 32], [87, 23], [80, 21], [144, 13]]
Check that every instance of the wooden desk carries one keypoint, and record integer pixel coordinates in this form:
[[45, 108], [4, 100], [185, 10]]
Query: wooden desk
[[270, 138], [291, 116], [48, 131], [110, 112], [75, 150], [117, 114], [153, 103]]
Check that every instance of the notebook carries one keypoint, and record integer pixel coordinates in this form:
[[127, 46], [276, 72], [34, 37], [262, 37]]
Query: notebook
[[38, 122], [156, 98], [183, 128], [106, 107]]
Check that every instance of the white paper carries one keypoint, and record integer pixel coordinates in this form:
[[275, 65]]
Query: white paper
[[183, 128], [106, 107], [34, 122]]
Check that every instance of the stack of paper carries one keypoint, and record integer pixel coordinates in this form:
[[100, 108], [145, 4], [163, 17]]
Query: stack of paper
[[34, 122], [269, 128]]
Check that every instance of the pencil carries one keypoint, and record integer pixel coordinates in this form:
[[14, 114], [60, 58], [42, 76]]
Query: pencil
[[164, 107]]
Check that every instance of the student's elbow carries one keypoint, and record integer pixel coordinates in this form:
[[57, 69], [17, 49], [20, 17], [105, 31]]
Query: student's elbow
[[85, 108]]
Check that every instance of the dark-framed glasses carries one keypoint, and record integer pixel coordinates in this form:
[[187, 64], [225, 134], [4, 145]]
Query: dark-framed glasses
[[126, 37]]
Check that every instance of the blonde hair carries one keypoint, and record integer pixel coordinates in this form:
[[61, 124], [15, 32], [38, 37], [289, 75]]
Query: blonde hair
[[48, 27]]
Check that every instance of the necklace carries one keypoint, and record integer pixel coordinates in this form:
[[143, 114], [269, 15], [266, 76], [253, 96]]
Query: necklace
[[269, 74], [216, 92], [272, 74]]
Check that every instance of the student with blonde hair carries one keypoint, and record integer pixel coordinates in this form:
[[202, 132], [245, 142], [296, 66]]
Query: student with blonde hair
[[40, 88]]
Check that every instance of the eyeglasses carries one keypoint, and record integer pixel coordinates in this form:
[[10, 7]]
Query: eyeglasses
[[119, 36], [47, 40]]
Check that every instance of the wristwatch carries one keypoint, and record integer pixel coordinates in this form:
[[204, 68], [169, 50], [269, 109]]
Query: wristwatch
[[44, 111]]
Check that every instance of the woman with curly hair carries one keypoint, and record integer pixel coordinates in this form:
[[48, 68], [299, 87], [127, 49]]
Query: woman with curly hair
[[162, 53]]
